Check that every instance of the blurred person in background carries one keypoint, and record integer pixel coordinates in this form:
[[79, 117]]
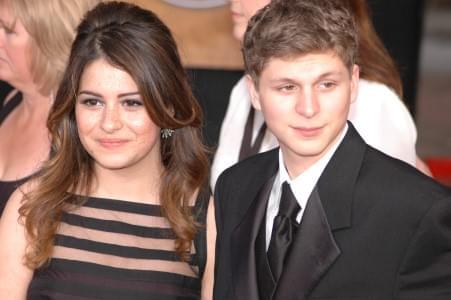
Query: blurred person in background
[[35, 40]]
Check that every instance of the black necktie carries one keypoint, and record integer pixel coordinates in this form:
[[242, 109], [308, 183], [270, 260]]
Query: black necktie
[[247, 148], [283, 230]]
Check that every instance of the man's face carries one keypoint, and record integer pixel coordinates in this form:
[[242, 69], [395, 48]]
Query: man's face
[[305, 101], [242, 11]]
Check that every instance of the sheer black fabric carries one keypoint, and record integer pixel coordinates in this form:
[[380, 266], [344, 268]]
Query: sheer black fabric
[[114, 249]]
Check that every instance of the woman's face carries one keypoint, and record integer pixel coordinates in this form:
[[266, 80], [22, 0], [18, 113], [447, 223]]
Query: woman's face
[[14, 50], [113, 123], [242, 11]]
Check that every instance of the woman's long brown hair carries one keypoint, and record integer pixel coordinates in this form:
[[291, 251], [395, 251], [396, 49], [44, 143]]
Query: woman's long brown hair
[[136, 41], [373, 58]]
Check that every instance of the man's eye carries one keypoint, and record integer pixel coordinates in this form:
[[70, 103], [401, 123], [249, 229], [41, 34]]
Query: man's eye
[[288, 87], [327, 84]]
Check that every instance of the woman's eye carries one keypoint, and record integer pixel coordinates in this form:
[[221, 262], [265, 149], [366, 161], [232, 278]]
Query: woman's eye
[[91, 102], [132, 103]]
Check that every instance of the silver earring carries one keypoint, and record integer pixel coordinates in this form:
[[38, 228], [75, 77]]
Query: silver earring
[[166, 132]]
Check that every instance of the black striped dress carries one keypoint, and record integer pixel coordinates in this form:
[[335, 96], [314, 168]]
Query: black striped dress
[[113, 249]]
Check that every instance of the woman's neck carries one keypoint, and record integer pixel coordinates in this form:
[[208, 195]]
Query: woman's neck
[[136, 184], [35, 105]]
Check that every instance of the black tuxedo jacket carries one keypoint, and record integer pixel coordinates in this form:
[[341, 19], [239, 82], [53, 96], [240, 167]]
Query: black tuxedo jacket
[[373, 228]]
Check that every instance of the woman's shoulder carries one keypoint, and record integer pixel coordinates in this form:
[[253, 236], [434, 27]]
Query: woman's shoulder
[[377, 91], [376, 97], [240, 90], [384, 121], [18, 196]]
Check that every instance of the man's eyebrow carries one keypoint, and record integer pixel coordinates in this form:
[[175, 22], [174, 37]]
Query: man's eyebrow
[[291, 80], [331, 73]]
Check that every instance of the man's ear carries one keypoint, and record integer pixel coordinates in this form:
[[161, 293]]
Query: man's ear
[[253, 92], [355, 76]]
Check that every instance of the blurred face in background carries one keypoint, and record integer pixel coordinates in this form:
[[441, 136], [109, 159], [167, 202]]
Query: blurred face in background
[[242, 11], [14, 50]]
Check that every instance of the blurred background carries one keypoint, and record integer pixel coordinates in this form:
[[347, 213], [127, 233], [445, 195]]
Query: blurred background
[[433, 116], [433, 102]]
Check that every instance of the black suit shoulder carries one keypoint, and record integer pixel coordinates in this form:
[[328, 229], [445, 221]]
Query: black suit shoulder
[[394, 178], [249, 173], [413, 211], [253, 166], [242, 181]]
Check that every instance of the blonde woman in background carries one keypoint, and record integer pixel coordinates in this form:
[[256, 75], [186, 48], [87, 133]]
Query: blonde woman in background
[[35, 40]]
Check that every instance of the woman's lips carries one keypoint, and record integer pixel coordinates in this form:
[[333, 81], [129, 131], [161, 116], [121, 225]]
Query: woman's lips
[[112, 143]]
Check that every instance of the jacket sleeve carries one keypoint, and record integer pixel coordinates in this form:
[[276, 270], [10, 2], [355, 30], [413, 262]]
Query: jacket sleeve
[[219, 272], [425, 272]]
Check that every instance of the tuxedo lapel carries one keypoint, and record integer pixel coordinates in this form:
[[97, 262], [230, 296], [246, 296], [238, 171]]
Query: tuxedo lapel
[[313, 251], [329, 208], [337, 183], [243, 245]]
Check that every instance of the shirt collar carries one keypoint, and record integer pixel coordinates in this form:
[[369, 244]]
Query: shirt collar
[[302, 186]]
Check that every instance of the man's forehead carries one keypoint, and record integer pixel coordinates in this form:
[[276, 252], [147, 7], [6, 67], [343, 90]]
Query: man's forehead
[[317, 63]]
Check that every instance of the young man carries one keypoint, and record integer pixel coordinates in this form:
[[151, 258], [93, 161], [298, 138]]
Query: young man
[[378, 113], [325, 216]]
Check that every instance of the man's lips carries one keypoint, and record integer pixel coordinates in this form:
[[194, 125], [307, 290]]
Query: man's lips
[[308, 131]]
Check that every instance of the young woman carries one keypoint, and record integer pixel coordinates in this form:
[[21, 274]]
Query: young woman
[[120, 209]]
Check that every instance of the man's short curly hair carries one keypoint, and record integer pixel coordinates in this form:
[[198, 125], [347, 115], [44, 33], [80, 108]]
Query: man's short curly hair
[[286, 28]]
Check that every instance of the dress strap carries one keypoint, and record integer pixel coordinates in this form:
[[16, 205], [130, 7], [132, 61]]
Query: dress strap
[[10, 106]]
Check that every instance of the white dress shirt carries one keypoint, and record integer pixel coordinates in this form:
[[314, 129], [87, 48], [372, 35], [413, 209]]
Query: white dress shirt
[[378, 114], [301, 186]]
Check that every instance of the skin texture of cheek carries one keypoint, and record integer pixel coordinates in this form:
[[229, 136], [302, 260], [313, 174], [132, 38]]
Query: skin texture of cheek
[[86, 122]]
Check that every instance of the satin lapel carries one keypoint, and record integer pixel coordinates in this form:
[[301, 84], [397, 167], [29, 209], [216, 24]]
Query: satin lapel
[[313, 251], [337, 183], [329, 208], [243, 245]]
